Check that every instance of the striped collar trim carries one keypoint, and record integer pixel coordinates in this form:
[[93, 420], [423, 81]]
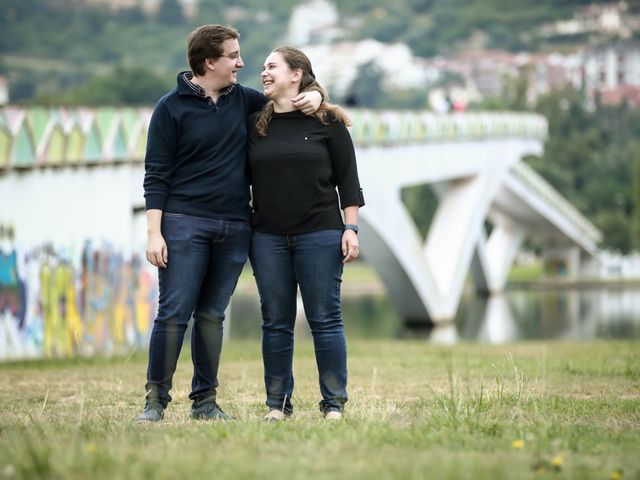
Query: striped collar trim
[[198, 90]]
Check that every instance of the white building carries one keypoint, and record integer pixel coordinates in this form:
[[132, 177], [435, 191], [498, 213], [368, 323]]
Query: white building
[[315, 28], [313, 22], [605, 19], [611, 66], [336, 65]]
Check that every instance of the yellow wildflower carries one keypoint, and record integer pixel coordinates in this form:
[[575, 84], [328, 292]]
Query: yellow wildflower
[[90, 447], [616, 474], [517, 444]]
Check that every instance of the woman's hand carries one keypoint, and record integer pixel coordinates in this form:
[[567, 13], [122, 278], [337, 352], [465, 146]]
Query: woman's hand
[[350, 246], [157, 253]]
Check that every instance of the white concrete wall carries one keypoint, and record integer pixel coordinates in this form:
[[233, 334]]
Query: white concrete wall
[[73, 279], [68, 206]]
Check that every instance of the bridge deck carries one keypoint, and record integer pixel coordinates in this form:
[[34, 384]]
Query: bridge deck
[[37, 137]]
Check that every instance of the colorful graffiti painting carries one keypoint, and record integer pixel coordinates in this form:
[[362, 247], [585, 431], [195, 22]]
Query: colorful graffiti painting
[[51, 308]]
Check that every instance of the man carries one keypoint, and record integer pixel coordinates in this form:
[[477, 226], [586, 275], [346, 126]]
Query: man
[[197, 202]]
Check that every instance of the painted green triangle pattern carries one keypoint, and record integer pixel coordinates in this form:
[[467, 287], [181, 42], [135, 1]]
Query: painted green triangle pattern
[[38, 137], [55, 147], [5, 146], [5, 141], [23, 149], [130, 118], [92, 146], [39, 120], [119, 143], [75, 145]]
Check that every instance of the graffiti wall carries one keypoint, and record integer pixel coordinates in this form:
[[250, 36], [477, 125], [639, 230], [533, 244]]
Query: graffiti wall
[[57, 304]]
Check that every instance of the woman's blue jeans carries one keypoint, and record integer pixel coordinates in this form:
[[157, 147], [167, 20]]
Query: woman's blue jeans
[[206, 257], [312, 261]]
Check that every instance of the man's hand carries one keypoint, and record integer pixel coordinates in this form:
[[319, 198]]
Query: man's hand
[[157, 253], [350, 246], [308, 102]]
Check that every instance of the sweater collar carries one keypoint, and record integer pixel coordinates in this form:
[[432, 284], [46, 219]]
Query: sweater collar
[[187, 87]]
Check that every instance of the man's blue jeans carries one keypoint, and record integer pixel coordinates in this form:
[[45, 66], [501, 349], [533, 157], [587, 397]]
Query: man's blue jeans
[[205, 260], [312, 261]]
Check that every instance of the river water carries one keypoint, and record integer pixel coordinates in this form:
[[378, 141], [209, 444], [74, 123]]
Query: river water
[[516, 315]]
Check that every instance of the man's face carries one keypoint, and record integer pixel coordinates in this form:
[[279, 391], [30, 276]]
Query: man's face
[[226, 67]]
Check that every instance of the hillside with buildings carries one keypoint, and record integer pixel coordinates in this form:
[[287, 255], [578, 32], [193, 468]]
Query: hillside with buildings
[[461, 51]]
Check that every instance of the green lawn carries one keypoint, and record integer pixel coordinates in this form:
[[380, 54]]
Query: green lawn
[[530, 410], [526, 273]]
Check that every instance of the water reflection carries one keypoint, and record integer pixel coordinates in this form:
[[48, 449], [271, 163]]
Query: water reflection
[[446, 334], [498, 326], [578, 314]]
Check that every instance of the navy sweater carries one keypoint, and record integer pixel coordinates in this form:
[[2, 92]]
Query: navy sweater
[[195, 162]]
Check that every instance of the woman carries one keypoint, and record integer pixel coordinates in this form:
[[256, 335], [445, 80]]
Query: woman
[[299, 239]]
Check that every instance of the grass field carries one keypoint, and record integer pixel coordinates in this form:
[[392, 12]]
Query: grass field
[[533, 410]]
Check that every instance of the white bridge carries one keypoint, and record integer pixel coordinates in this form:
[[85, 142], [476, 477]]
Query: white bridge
[[68, 176], [474, 163]]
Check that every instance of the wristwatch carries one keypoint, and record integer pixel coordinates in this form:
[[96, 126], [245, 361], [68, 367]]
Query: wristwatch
[[352, 227]]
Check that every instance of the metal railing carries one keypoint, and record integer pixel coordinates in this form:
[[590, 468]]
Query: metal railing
[[373, 127], [543, 189]]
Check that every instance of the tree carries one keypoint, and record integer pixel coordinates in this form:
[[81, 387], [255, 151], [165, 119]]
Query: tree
[[422, 204], [123, 86], [367, 86], [636, 202], [170, 13]]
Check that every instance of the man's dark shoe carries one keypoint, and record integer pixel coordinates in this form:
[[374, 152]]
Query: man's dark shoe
[[209, 411], [153, 412]]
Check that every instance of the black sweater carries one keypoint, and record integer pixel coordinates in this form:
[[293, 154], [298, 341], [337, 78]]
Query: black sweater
[[196, 153], [294, 173]]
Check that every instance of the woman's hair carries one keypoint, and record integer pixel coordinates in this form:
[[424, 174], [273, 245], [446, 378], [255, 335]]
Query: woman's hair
[[296, 59]]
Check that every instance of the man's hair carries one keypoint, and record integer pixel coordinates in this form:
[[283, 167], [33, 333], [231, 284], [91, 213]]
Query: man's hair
[[206, 42]]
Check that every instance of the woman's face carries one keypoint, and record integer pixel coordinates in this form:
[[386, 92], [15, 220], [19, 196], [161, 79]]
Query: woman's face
[[277, 78]]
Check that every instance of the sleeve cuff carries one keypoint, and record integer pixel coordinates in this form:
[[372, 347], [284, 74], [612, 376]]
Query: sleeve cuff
[[353, 200], [154, 202]]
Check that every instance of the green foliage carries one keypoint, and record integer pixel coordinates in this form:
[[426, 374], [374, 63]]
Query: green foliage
[[636, 202], [369, 86], [123, 86], [384, 23], [439, 26], [422, 203], [170, 13], [590, 157], [512, 97]]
